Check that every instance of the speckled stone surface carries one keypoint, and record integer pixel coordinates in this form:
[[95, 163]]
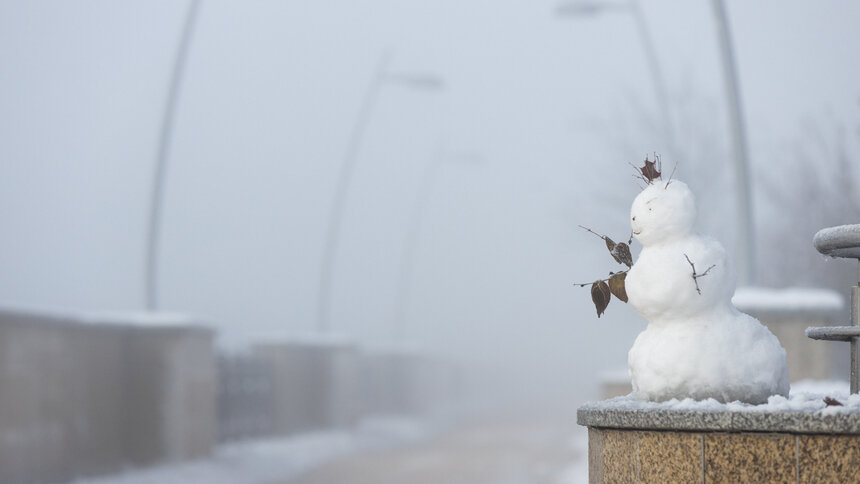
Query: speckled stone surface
[[670, 457], [745, 444], [644, 456], [828, 458], [749, 458], [595, 415], [620, 457]]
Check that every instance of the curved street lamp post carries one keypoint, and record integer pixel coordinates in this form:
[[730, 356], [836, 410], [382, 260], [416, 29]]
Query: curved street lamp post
[[163, 153], [382, 77]]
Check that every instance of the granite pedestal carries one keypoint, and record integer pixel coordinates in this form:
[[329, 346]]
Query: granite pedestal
[[741, 445]]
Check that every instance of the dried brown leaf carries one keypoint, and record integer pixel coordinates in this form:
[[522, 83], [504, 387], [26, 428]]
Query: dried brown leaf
[[616, 285], [650, 170], [610, 244], [621, 254], [600, 295], [832, 402]]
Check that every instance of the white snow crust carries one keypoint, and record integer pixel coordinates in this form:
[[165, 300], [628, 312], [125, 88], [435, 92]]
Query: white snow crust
[[304, 339], [805, 396], [125, 318], [142, 318], [697, 344]]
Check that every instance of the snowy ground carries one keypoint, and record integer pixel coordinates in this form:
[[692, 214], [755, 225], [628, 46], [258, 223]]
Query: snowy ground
[[512, 450], [268, 460]]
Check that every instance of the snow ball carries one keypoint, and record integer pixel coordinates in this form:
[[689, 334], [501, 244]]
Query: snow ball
[[662, 213]]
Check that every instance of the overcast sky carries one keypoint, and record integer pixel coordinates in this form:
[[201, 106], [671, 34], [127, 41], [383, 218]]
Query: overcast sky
[[531, 135]]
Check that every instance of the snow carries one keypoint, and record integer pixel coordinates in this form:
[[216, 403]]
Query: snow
[[304, 339], [142, 318], [125, 318], [791, 299], [275, 460], [805, 396], [403, 348], [697, 344]]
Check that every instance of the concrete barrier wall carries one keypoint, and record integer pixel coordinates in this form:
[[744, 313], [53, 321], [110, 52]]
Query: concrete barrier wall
[[395, 382], [298, 386], [86, 399], [49, 373], [245, 399], [171, 385], [403, 382], [79, 397], [314, 385]]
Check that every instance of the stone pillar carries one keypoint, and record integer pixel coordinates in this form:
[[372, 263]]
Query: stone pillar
[[81, 398], [245, 406], [640, 445], [314, 384], [395, 381], [171, 411]]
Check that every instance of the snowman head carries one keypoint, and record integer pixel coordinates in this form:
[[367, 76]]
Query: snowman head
[[662, 213]]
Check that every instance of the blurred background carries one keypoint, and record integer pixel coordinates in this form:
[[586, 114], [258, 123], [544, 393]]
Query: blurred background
[[406, 178]]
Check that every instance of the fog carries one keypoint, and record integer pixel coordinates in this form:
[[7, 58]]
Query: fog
[[530, 133]]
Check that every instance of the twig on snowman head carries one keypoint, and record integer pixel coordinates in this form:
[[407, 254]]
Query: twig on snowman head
[[671, 175], [697, 276], [639, 176]]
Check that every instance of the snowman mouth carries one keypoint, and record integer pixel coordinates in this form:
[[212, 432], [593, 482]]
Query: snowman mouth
[[637, 233]]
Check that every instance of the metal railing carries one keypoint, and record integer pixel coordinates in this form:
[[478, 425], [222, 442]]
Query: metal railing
[[843, 241]]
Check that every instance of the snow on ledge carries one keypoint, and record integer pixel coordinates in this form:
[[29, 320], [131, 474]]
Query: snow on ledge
[[805, 396], [301, 339], [151, 319], [142, 319], [792, 299]]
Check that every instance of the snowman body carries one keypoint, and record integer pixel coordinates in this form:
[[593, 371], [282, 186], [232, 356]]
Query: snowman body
[[697, 344]]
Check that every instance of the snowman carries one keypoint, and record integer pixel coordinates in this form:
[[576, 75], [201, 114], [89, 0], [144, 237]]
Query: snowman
[[697, 344]]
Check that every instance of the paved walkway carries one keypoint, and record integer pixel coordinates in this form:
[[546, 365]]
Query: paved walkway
[[501, 451]]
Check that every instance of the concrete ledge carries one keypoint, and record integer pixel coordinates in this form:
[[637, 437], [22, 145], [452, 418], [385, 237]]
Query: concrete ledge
[[720, 421]]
